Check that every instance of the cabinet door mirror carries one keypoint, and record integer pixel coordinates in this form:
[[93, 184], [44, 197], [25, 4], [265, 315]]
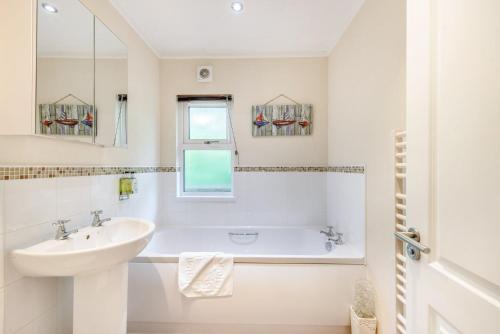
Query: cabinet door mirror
[[110, 87], [65, 70], [81, 79]]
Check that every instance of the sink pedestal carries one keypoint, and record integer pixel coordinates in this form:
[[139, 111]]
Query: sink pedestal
[[100, 301]]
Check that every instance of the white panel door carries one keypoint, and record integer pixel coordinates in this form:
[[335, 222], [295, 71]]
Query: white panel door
[[453, 173]]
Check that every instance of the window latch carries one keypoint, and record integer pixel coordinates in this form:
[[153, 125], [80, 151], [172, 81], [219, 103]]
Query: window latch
[[210, 142]]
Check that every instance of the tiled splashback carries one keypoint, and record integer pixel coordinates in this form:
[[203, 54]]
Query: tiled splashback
[[31, 198], [345, 203], [271, 198], [260, 198], [28, 207]]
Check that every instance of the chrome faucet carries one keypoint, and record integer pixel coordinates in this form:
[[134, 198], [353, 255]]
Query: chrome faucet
[[97, 221], [61, 233], [333, 236]]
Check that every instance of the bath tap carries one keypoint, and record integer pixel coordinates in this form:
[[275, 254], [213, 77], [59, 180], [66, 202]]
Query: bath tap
[[97, 221], [333, 236], [61, 233]]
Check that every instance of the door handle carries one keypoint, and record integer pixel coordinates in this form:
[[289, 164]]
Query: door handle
[[413, 245]]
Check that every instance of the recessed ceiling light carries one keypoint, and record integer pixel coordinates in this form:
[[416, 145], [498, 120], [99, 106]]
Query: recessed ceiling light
[[237, 6], [49, 8]]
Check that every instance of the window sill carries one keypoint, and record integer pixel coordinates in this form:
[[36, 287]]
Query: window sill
[[188, 198]]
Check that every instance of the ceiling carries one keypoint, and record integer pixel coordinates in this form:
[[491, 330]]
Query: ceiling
[[70, 33], [266, 28]]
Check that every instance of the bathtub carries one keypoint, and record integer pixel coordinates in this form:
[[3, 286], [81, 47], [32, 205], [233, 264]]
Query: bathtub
[[285, 281], [250, 245]]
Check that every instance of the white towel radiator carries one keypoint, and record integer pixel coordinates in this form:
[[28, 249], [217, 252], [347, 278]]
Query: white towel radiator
[[400, 226]]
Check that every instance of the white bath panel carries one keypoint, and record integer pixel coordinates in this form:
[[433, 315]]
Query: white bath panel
[[291, 295]]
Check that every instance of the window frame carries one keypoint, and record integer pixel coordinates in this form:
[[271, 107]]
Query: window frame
[[185, 143]]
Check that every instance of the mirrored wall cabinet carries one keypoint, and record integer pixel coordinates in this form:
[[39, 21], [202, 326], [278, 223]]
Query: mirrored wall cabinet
[[78, 72]]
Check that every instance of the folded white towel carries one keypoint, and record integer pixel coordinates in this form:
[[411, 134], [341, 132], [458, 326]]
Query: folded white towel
[[205, 274]]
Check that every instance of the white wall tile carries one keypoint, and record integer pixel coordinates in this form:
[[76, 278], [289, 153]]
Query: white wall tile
[[210, 213], [27, 299], [77, 221], [20, 239], [260, 199], [306, 199], [148, 184], [267, 198], [169, 182], [105, 193], [29, 202], [44, 324], [145, 203], [346, 206], [73, 195]]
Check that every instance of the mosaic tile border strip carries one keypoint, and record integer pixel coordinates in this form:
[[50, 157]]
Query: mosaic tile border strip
[[22, 173], [347, 169], [335, 169], [168, 169], [280, 169]]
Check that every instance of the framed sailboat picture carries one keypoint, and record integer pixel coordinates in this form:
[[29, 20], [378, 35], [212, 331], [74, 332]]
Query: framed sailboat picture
[[66, 119], [282, 120]]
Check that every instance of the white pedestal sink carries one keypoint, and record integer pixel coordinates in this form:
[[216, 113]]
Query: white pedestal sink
[[97, 258]]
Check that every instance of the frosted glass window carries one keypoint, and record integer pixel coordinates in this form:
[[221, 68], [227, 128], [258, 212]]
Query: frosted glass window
[[208, 123], [205, 149], [207, 171]]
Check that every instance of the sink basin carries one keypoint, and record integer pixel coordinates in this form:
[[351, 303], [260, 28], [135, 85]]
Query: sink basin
[[97, 259], [89, 250]]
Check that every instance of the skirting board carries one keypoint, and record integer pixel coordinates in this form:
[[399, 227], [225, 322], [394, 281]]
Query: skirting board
[[177, 328]]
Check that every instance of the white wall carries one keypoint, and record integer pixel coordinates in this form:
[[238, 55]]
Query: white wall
[[252, 81], [367, 102], [16, 66]]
